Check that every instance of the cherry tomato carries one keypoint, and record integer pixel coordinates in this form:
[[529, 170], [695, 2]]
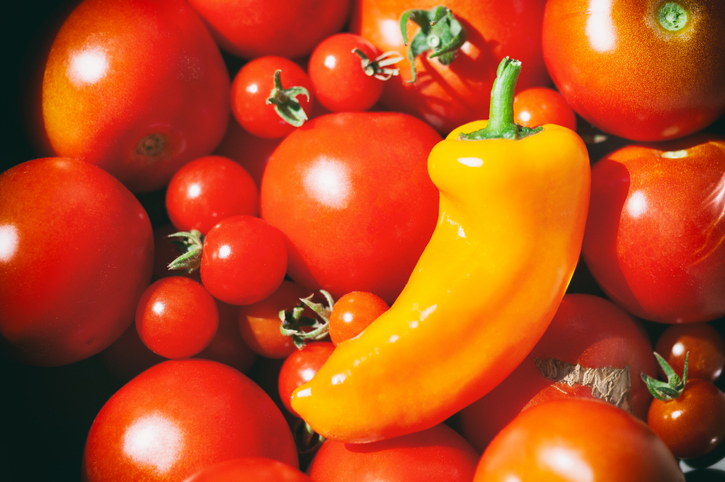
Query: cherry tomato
[[287, 28], [577, 439], [180, 416], [654, 230], [693, 424], [352, 313], [537, 106], [259, 322], [76, 252], [257, 469], [207, 190], [619, 64], [352, 195], [176, 317], [339, 77], [254, 84], [449, 96], [701, 343], [243, 261], [299, 367], [138, 89], [587, 331]]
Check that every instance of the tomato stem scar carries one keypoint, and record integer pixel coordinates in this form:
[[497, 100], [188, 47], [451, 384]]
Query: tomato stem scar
[[672, 16]]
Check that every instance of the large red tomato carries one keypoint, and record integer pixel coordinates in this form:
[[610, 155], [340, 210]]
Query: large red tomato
[[76, 253], [352, 195], [180, 416], [654, 235], [138, 88], [646, 70], [449, 96], [577, 439]]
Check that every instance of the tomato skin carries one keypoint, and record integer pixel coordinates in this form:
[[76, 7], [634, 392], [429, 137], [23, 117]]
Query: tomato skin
[[113, 87], [352, 313], [352, 195], [621, 71], [693, 424], [69, 280], [701, 343], [182, 415], [299, 367], [643, 198], [434, 454], [537, 106], [577, 439], [303, 24], [257, 469]]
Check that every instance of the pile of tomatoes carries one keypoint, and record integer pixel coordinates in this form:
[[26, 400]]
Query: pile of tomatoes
[[203, 199]]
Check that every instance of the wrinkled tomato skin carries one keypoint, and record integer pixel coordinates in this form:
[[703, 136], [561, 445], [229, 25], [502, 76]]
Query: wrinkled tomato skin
[[623, 72], [137, 88], [180, 416], [77, 253], [654, 234]]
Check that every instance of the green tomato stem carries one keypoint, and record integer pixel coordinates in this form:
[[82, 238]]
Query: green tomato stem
[[672, 16]]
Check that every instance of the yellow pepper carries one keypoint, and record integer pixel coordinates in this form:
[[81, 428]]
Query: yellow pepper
[[513, 205]]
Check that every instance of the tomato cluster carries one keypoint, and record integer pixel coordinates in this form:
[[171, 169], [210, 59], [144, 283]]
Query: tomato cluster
[[204, 200]]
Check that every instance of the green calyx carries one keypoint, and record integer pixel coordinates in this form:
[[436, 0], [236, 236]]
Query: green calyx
[[285, 101], [190, 243], [440, 33], [501, 123], [303, 329], [380, 66], [672, 16], [673, 387]]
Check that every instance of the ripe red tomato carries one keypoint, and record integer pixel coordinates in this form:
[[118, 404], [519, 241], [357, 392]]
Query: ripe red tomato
[[449, 96], [287, 28], [352, 313], [76, 252], [537, 106], [243, 261], [577, 439], [352, 195], [621, 69], [180, 416], [653, 239], [257, 469], [176, 317], [588, 331], [435, 454], [207, 190], [299, 368], [136, 88], [701, 343]]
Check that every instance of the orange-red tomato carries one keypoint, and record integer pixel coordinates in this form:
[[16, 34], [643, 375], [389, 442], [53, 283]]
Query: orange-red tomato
[[701, 343], [537, 106], [353, 312], [252, 469]]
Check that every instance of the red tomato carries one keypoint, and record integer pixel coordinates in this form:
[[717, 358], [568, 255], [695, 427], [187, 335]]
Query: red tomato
[[243, 261], [176, 317], [257, 469], [76, 252], [653, 239], [449, 96], [701, 343], [287, 28], [136, 88], [435, 454], [207, 190], [352, 195], [693, 424], [339, 77], [352, 313], [620, 68], [254, 84], [180, 416], [588, 331], [299, 367], [577, 439], [537, 106]]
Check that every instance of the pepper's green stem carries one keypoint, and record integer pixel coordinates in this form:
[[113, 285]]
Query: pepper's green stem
[[501, 123], [285, 101]]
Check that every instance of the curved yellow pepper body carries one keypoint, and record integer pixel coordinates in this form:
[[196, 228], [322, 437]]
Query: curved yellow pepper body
[[509, 234]]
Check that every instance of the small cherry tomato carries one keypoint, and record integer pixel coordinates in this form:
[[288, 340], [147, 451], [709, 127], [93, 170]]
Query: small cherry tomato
[[352, 313], [703, 342], [346, 74], [271, 96], [299, 367], [176, 317], [537, 106], [257, 469], [243, 260], [208, 190]]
